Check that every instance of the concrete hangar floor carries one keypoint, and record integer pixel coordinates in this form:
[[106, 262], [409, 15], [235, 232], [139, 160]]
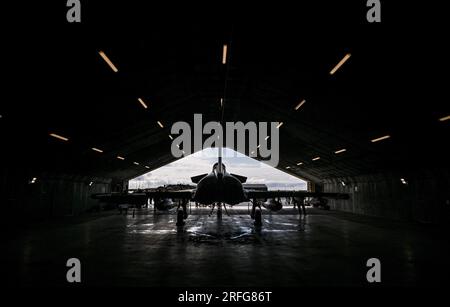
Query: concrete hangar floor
[[324, 248]]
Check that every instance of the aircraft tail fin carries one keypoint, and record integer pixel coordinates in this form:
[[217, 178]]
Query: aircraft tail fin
[[220, 168]]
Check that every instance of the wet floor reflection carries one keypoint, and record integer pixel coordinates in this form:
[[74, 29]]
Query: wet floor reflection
[[209, 229], [234, 229]]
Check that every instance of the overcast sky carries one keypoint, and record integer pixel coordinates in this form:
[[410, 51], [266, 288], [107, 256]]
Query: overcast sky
[[201, 162]]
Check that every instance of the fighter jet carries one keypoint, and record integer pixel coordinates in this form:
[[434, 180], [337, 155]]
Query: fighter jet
[[218, 188]]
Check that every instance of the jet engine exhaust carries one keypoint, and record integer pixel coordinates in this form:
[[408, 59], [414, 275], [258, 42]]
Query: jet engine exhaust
[[164, 204]]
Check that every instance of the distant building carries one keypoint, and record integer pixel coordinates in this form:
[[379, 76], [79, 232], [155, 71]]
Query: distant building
[[178, 187]]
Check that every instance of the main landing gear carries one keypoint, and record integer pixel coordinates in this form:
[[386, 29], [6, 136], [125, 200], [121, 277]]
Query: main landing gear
[[256, 213], [182, 212]]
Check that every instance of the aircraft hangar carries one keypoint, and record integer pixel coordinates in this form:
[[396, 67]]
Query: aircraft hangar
[[361, 109]]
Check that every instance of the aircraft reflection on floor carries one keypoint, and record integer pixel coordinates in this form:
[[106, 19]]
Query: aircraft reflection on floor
[[201, 229]]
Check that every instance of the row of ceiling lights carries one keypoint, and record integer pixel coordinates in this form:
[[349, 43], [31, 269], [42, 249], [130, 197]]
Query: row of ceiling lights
[[296, 108], [140, 100], [35, 179], [98, 150], [385, 137], [344, 184], [375, 140], [224, 62], [302, 102], [66, 139]]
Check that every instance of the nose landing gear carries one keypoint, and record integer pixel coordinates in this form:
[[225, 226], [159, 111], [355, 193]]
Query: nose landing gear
[[256, 213], [219, 211]]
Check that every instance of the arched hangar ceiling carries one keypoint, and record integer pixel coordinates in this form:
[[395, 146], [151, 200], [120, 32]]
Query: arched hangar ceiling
[[171, 58]]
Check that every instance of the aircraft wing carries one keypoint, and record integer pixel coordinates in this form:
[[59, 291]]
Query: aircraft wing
[[252, 194], [125, 197], [181, 194], [116, 197]]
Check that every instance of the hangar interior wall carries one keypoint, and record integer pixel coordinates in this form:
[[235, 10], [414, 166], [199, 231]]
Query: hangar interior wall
[[425, 198], [50, 196]]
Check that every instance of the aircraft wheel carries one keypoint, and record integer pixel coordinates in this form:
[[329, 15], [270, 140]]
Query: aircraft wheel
[[258, 218], [180, 218]]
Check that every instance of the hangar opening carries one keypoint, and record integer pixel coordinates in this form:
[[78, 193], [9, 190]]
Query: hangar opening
[[181, 171]]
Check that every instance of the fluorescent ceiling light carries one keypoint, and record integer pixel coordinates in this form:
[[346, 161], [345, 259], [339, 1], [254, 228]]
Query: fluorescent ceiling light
[[299, 163], [288, 167], [316, 158], [108, 61], [267, 137], [300, 104], [258, 146], [148, 167], [380, 138], [161, 125], [279, 125], [343, 183], [97, 150], [224, 54], [221, 102], [59, 137], [403, 181], [91, 183], [340, 151], [170, 137], [443, 119], [120, 158], [142, 103], [341, 62], [135, 163]]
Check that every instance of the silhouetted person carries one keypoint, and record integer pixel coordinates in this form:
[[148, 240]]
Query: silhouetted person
[[301, 205]]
